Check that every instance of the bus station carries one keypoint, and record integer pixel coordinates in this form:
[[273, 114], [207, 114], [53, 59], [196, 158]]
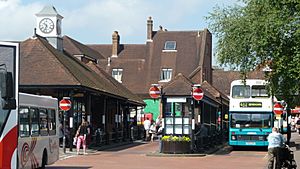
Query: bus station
[[53, 85]]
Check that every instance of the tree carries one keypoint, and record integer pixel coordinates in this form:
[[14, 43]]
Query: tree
[[257, 33]]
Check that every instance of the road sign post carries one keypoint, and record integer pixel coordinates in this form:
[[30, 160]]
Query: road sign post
[[65, 105], [154, 92], [278, 109], [197, 93]]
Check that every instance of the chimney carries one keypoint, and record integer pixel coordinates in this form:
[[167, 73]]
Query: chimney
[[149, 29], [115, 44], [160, 28]]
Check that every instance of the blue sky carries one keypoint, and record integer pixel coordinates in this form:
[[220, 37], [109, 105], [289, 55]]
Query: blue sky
[[93, 21]]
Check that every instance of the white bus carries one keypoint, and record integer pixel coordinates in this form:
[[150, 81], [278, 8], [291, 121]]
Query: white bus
[[28, 123], [38, 131], [250, 113]]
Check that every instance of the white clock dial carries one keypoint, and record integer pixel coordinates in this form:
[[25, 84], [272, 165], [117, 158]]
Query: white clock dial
[[46, 25]]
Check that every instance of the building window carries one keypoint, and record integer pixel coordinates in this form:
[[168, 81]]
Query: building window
[[117, 74], [170, 45], [166, 74]]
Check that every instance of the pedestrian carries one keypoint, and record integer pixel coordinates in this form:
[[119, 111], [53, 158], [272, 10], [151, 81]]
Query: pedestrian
[[159, 135], [147, 124], [276, 141], [152, 131], [61, 134], [298, 125], [81, 135]]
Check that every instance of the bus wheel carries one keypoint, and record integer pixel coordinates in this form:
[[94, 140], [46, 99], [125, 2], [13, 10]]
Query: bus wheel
[[44, 160]]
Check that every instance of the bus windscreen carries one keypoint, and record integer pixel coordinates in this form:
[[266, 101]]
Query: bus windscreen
[[250, 120]]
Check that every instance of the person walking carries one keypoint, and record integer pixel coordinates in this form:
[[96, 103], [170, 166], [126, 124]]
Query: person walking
[[152, 131], [276, 141], [147, 124], [81, 135]]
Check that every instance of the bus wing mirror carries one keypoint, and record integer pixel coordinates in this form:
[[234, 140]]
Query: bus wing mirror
[[7, 90]]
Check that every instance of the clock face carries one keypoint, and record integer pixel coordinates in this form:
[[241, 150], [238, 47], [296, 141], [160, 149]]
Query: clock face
[[46, 25]]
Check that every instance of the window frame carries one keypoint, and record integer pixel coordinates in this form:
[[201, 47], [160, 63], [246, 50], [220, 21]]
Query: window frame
[[37, 119], [167, 45], [119, 74], [44, 130], [168, 72], [28, 122]]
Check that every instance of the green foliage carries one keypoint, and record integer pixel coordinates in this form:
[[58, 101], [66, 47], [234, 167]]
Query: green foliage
[[257, 33], [176, 138]]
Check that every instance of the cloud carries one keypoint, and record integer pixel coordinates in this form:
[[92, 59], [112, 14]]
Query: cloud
[[16, 20], [93, 21]]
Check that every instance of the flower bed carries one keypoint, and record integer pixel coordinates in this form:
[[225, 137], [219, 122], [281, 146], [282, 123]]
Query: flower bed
[[176, 144]]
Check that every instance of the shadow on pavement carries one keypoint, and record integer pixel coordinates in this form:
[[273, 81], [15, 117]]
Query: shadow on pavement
[[68, 167], [122, 147]]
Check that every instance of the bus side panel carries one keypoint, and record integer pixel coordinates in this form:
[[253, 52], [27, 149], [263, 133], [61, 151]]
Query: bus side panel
[[8, 146], [31, 151]]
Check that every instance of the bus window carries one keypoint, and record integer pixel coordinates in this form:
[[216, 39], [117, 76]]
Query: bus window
[[51, 122], [24, 122], [34, 116], [259, 91], [250, 120], [241, 91], [43, 122]]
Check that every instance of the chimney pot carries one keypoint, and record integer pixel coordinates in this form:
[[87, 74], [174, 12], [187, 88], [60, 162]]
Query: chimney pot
[[115, 44], [149, 29]]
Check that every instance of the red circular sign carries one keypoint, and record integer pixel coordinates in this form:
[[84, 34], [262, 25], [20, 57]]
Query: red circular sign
[[197, 93], [278, 108], [65, 104], [154, 92]]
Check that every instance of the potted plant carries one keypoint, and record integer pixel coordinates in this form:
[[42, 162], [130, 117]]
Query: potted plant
[[176, 144]]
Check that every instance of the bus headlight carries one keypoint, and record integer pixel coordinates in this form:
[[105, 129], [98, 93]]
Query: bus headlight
[[261, 138], [233, 137]]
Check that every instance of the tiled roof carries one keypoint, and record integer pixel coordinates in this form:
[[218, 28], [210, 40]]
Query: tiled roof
[[132, 59], [214, 91], [182, 86], [48, 10], [222, 79], [41, 64], [74, 47], [179, 86], [102, 74], [142, 63]]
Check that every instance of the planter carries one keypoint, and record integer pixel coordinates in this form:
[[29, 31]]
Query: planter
[[173, 147]]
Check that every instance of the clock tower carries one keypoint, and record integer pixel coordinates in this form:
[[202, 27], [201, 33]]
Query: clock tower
[[49, 26]]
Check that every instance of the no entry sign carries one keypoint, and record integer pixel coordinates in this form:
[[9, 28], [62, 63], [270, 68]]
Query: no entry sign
[[278, 108], [197, 93], [154, 92], [65, 104]]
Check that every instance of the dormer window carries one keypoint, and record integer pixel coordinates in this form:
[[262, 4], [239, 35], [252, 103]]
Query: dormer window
[[166, 75], [117, 74], [170, 46]]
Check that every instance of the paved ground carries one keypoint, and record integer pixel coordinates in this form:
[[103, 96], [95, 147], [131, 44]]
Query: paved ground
[[136, 156]]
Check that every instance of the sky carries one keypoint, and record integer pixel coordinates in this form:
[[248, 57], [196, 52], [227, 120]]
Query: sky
[[94, 21]]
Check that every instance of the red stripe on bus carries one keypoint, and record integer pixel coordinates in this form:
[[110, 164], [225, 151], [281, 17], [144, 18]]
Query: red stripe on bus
[[7, 148]]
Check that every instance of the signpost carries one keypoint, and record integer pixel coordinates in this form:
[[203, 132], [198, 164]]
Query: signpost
[[278, 109], [65, 105], [154, 92], [197, 93]]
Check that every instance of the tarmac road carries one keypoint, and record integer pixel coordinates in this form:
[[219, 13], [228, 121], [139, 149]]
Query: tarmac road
[[136, 156]]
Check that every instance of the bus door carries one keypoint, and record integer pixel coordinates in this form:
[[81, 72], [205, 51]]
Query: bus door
[[9, 69]]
